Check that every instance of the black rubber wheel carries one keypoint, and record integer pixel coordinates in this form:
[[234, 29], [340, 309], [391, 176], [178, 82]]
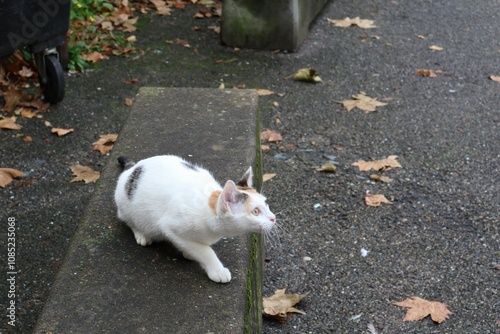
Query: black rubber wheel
[[53, 88]]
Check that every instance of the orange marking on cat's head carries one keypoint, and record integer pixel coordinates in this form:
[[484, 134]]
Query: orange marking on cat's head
[[213, 199]]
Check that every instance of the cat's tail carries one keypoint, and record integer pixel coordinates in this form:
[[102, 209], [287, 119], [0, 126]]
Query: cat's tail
[[125, 162]]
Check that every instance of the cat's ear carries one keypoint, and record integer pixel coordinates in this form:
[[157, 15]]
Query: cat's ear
[[232, 198], [247, 179]]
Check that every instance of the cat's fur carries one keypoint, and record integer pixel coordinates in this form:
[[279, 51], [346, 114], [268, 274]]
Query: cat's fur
[[166, 197]]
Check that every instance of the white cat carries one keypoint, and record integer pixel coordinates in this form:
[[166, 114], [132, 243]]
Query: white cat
[[166, 197]]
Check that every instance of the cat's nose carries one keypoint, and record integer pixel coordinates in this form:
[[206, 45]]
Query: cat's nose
[[273, 219]]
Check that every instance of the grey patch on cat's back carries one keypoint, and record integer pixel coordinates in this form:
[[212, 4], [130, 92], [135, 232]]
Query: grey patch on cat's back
[[190, 165], [132, 181]]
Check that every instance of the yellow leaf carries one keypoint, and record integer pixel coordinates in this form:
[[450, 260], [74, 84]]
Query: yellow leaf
[[327, 167], [376, 199], [84, 173], [419, 308], [8, 174], [278, 305], [307, 75]]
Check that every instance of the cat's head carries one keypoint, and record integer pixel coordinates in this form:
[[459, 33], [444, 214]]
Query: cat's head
[[243, 206]]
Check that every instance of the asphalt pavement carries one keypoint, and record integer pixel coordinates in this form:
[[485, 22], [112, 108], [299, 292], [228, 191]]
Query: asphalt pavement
[[438, 240]]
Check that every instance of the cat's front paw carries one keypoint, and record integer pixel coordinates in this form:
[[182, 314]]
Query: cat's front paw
[[220, 276], [142, 239]]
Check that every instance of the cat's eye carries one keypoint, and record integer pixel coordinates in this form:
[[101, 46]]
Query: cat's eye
[[255, 212]]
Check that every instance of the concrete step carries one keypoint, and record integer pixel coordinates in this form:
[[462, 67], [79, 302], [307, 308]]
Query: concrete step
[[109, 284]]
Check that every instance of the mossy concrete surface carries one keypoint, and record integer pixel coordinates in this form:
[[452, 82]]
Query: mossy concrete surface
[[268, 24], [108, 283]]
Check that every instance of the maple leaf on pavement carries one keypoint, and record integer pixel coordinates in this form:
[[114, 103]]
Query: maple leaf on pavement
[[270, 135], [363, 102], [278, 305], [378, 165], [9, 123], [103, 145], [419, 308], [84, 173]]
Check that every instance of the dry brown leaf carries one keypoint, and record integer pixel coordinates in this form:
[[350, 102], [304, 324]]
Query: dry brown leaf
[[270, 136], [268, 176], [264, 92], [378, 165], [436, 48], [376, 199], [347, 22], [380, 178], [12, 99], [419, 308], [25, 72], [363, 102], [9, 123], [162, 7], [278, 305], [28, 113], [129, 102], [94, 57], [428, 73], [103, 145], [61, 132], [327, 167], [8, 174], [495, 78], [84, 173]]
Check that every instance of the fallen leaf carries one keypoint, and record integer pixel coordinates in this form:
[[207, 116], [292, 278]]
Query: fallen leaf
[[436, 48], [428, 73], [378, 165], [84, 173], [380, 178], [495, 78], [103, 144], [327, 167], [25, 72], [94, 57], [61, 132], [363, 102], [161, 7], [27, 139], [8, 174], [9, 123], [12, 98], [347, 22], [265, 147], [307, 75], [421, 37], [131, 81], [268, 176], [28, 113], [264, 92], [270, 136], [129, 102], [278, 305], [419, 308], [47, 123], [376, 199]]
